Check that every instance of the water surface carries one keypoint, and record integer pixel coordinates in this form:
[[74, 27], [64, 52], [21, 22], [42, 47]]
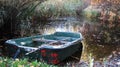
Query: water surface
[[97, 52]]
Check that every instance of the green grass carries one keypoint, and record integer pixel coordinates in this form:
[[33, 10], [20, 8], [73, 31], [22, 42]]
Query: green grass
[[8, 62]]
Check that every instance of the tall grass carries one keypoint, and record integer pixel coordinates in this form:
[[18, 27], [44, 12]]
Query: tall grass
[[46, 8], [17, 3], [57, 8], [22, 10]]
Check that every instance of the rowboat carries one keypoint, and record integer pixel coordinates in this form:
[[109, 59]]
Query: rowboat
[[51, 48]]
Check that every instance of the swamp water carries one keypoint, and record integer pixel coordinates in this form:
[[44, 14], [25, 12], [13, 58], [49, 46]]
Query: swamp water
[[90, 52]]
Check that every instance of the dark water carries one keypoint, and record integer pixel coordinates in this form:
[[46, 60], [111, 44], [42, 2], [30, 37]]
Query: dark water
[[97, 52]]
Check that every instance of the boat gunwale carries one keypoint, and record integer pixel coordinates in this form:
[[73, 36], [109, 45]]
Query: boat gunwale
[[12, 42], [47, 46]]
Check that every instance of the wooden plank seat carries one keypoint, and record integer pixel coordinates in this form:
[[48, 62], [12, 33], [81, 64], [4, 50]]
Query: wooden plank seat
[[58, 43], [42, 40]]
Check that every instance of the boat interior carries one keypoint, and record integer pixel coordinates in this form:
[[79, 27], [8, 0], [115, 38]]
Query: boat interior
[[53, 39]]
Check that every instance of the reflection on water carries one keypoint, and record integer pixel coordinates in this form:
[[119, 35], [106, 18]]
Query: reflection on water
[[65, 26], [98, 51]]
